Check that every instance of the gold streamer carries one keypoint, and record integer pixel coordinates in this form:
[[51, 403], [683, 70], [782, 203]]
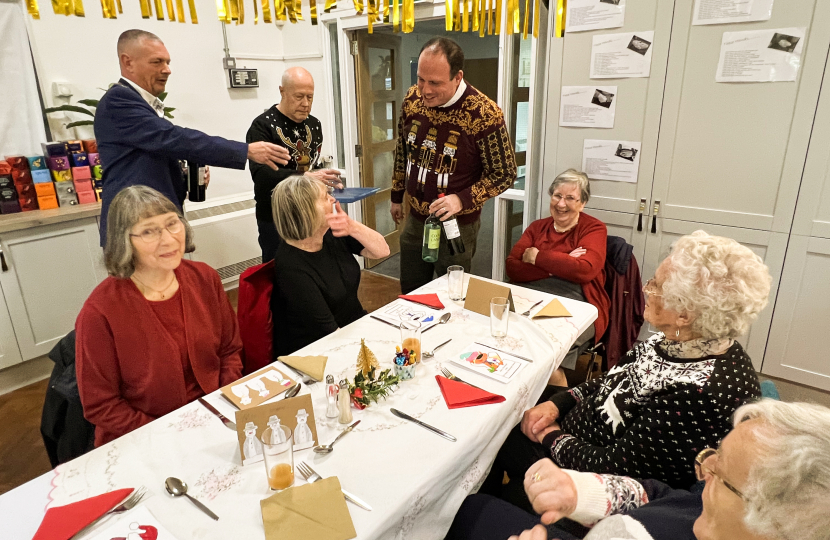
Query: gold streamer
[[491, 17], [234, 4], [256, 13], [180, 11], [292, 14], [120, 9], [159, 10], [396, 16], [171, 11], [241, 4], [561, 13], [79, 8], [228, 18], [464, 16], [499, 7], [457, 15], [298, 9], [358, 6], [386, 11], [476, 4], [112, 9], [220, 9], [145, 9], [517, 17], [193, 18], [66, 7], [372, 14], [279, 10], [313, 4], [449, 15], [536, 19], [527, 19], [266, 11], [330, 4], [482, 23], [408, 22], [33, 9], [105, 8]]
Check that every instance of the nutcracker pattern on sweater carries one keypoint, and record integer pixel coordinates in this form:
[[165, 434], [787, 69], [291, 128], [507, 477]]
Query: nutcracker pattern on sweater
[[463, 149], [652, 413]]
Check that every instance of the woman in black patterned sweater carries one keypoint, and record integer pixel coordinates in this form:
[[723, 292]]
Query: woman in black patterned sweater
[[670, 396]]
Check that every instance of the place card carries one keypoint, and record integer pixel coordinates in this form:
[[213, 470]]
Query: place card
[[480, 292], [252, 423], [257, 388]]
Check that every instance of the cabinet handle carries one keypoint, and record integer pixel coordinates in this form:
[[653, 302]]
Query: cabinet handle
[[3, 264], [654, 217], [640, 217]]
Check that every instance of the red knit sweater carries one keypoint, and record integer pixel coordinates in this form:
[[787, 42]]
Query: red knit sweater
[[128, 365], [553, 260]]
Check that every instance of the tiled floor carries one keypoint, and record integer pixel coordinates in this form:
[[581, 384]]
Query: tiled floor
[[22, 455]]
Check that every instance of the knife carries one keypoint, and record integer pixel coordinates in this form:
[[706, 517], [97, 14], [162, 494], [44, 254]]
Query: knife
[[437, 431], [356, 500], [385, 321], [505, 352], [221, 416]]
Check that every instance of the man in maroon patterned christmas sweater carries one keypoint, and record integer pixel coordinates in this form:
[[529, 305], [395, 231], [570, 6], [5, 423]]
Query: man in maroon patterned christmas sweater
[[452, 140]]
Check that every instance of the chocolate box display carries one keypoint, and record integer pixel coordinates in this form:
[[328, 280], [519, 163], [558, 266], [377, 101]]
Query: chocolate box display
[[79, 159], [97, 172], [81, 173], [5, 168], [6, 181], [21, 176], [36, 163], [82, 185], [66, 194], [45, 190], [90, 146], [62, 176], [41, 176], [26, 190], [47, 202], [28, 204], [9, 207], [59, 163], [74, 146], [54, 149], [85, 197], [8, 194], [18, 162]]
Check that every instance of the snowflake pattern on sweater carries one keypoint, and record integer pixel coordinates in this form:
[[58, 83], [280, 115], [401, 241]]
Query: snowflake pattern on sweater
[[652, 413]]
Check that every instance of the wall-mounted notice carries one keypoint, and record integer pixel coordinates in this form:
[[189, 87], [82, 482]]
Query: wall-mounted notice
[[618, 161], [584, 15], [588, 106], [731, 11], [760, 55], [615, 56]]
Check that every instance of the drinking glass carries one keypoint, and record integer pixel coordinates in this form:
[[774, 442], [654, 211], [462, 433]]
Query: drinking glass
[[455, 282], [278, 457], [411, 337], [499, 316]]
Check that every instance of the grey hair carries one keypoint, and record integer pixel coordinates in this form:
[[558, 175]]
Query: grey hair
[[294, 207], [788, 488], [130, 37], [572, 176], [129, 207], [724, 284]]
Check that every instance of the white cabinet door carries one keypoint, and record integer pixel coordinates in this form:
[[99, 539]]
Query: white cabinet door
[[625, 225], [9, 351], [52, 270], [797, 350], [768, 245], [733, 153], [639, 103]]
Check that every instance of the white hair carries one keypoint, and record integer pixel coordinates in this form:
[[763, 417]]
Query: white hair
[[788, 488], [724, 284], [572, 176]]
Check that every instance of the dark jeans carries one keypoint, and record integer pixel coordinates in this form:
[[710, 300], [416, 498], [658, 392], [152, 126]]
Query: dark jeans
[[416, 272], [483, 517], [269, 240]]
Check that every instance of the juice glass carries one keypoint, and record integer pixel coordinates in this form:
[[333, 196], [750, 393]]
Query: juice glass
[[278, 453]]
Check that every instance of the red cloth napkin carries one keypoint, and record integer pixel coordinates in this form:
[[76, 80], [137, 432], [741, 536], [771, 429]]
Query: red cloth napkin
[[458, 394], [430, 300], [64, 522]]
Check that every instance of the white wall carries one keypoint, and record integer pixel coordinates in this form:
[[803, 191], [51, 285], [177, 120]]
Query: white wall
[[81, 51]]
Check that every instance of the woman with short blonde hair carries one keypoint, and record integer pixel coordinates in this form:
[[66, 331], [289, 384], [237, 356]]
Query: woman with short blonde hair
[[315, 273]]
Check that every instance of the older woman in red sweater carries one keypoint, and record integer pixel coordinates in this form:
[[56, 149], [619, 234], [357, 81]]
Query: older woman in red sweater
[[160, 331], [565, 255]]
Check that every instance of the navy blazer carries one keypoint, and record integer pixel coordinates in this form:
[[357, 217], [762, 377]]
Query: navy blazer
[[138, 147]]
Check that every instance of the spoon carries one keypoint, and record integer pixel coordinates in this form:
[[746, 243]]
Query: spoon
[[326, 448], [430, 354], [177, 488], [293, 391], [444, 318]]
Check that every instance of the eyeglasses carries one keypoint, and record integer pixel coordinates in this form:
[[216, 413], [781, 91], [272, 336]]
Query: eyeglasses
[[154, 234], [701, 469], [569, 200], [650, 288]]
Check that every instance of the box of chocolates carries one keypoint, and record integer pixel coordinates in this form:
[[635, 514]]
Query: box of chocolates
[[90, 146], [8, 194], [94, 159], [74, 146], [45, 190], [37, 163], [26, 190], [79, 159], [85, 197], [62, 176], [59, 163], [98, 172], [28, 204], [5, 168], [6, 181], [81, 173], [54, 149], [47, 202], [21, 176], [41, 176], [66, 194], [9, 207], [18, 162], [83, 185]]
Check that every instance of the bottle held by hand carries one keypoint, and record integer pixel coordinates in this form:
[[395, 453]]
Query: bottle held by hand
[[454, 241], [432, 239], [195, 182]]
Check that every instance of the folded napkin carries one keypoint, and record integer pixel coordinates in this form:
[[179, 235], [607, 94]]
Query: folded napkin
[[459, 394], [313, 512], [64, 522], [313, 366], [430, 300]]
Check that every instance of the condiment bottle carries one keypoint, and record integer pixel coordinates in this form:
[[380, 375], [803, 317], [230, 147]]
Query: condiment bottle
[[344, 403], [332, 389]]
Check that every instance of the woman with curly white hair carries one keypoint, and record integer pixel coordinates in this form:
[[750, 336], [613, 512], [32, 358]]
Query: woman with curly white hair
[[768, 480], [670, 396]]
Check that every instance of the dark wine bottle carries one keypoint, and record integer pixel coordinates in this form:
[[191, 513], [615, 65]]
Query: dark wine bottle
[[454, 241], [195, 182]]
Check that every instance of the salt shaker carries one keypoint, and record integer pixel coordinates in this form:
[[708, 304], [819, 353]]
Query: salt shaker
[[344, 404], [332, 389]]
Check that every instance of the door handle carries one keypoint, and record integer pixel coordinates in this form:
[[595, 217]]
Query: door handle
[[640, 217], [3, 264], [654, 217]]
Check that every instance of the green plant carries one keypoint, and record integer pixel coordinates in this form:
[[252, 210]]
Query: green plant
[[91, 106]]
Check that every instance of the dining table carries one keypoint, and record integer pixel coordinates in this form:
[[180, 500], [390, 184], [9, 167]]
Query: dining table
[[414, 480]]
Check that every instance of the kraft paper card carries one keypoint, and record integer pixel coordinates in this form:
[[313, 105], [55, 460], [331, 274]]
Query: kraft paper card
[[553, 309], [294, 413], [257, 388], [312, 512], [479, 294], [313, 366]]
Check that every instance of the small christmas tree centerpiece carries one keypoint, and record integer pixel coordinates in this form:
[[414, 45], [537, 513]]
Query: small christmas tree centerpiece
[[370, 386]]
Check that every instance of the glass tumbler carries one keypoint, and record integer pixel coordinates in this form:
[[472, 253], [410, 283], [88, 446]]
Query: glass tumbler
[[455, 282], [499, 316], [411, 337], [278, 454]]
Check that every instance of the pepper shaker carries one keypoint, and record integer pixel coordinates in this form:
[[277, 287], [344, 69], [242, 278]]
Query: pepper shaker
[[344, 404], [332, 389]]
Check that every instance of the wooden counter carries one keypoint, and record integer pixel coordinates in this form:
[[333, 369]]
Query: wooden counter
[[37, 218]]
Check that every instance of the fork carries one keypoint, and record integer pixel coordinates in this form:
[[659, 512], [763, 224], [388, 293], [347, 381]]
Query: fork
[[311, 476], [452, 377], [131, 501], [527, 313]]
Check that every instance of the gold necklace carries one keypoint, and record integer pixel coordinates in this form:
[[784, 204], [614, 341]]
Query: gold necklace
[[159, 292]]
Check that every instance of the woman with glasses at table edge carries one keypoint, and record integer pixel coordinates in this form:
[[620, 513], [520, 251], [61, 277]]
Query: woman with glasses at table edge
[[160, 331], [667, 398], [768, 480], [565, 255]]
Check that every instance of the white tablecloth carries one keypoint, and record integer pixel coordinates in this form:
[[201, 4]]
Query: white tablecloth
[[414, 480]]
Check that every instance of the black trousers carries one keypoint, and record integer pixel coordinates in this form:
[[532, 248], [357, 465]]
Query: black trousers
[[483, 517], [269, 240]]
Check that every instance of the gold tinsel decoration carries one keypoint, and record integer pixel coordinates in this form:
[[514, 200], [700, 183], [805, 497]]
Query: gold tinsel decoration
[[481, 16], [366, 359]]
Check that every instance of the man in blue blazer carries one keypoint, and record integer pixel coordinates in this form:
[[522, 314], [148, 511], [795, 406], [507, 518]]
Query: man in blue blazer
[[139, 146]]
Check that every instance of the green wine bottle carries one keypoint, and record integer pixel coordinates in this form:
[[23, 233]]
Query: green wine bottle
[[432, 239]]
